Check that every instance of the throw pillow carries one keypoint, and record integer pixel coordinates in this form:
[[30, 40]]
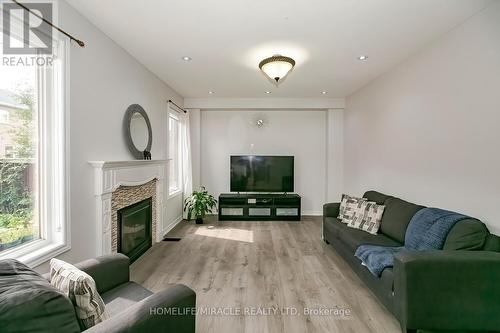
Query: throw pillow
[[80, 288], [367, 217], [348, 206]]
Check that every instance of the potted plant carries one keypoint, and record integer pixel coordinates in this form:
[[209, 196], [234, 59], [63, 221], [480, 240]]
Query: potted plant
[[198, 204]]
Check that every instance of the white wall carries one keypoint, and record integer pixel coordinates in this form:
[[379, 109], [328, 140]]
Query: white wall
[[428, 130], [174, 211], [104, 81], [334, 155], [299, 133]]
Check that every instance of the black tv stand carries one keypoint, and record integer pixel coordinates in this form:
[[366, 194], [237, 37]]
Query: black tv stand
[[259, 207]]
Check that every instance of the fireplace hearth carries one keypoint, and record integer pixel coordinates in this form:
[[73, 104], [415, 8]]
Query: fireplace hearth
[[134, 229]]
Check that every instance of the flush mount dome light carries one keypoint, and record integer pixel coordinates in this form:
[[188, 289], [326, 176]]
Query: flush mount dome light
[[277, 67]]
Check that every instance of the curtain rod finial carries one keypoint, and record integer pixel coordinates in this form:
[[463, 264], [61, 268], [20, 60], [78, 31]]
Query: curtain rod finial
[[82, 44], [183, 110]]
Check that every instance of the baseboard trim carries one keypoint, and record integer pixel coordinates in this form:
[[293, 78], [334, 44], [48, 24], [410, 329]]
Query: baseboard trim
[[304, 213], [171, 225], [312, 213]]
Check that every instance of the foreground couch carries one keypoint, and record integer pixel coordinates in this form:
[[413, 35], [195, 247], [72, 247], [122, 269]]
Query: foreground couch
[[457, 288], [28, 303]]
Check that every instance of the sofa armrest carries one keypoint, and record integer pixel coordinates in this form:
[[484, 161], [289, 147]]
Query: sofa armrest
[[448, 290], [107, 271], [331, 209], [172, 310]]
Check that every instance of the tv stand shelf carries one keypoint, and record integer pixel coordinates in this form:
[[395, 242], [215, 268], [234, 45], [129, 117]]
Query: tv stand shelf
[[259, 207]]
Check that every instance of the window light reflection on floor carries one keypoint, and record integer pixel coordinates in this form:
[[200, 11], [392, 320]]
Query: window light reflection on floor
[[240, 235]]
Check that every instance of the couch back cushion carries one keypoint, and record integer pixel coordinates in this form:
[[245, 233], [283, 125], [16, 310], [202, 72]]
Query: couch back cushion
[[397, 215], [376, 197], [468, 234], [28, 303], [492, 243]]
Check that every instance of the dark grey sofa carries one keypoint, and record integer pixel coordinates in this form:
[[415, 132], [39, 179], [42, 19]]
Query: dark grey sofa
[[453, 289], [28, 303]]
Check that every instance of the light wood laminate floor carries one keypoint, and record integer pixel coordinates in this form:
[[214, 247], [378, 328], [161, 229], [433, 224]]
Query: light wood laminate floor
[[251, 269]]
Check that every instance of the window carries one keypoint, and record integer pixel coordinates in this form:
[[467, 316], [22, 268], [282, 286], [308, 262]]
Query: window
[[174, 153], [33, 190]]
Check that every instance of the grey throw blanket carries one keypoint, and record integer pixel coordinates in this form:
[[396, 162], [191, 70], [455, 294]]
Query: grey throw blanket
[[427, 230]]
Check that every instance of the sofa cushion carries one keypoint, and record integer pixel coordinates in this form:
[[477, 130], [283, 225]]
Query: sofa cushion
[[382, 287], [348, 207], [81, 290], [397, 216], [334, 226], [492, 243], [468, 234], [352, 238], [124, 296], [28, 303], [377, 197], [367, 217]]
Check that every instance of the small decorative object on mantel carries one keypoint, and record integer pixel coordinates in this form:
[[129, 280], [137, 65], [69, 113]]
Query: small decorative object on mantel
[[199, 204], [137, 132]]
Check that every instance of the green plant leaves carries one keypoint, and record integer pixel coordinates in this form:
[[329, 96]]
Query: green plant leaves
[[199, 203]]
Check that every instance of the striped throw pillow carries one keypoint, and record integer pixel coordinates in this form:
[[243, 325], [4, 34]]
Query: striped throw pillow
[[348, 206], [80, 288], [367, 217]]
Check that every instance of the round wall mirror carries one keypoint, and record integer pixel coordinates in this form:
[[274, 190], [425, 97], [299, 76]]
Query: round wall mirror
[[137, 130]]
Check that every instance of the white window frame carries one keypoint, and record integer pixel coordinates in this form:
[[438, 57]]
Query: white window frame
[[178, 191], [53, 165]]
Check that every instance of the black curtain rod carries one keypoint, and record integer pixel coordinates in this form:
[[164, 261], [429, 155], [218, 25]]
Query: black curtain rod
[[170, 101], [79, 42]]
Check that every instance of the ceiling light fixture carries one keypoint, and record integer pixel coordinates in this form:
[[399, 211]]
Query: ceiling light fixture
[[324, 92], [211, 92], [268, 92], [277, 67], [186, 58], [363, 58]]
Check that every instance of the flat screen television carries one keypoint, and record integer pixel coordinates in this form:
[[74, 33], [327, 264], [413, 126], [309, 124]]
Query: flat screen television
[[251, 173]]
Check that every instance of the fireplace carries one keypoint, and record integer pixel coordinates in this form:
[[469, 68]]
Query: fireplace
[[120, 184], [134, 229]]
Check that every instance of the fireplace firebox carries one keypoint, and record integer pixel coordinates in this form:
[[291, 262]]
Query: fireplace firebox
[[134, 229]]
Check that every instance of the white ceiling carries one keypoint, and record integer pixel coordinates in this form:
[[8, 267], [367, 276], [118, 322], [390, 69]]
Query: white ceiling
[[228, 38]]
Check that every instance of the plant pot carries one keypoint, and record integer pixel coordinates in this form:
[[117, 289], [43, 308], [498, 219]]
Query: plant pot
[[199, 220]]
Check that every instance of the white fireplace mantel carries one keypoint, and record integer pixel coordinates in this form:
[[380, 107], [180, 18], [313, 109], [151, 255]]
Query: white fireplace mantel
[[109, 176]]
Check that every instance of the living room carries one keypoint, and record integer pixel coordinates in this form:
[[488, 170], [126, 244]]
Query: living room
[[306, 166]]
